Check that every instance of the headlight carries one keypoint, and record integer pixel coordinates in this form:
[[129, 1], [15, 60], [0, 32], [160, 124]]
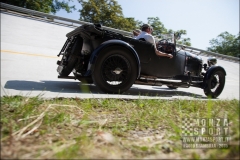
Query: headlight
[[211, 61]]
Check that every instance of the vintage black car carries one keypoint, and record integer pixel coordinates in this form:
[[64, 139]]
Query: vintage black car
[[114, 62]]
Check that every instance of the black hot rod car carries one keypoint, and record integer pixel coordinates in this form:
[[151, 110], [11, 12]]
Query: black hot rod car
[[114, 62]]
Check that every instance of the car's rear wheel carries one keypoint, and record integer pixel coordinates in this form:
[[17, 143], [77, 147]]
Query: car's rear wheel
[[215, 84], [115, 70], [69, 58], [68, 67]]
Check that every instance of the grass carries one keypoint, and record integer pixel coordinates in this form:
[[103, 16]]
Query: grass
[[108, 128]]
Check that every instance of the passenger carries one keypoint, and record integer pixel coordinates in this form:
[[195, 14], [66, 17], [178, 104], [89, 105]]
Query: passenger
[[146, 34], [136, 32]]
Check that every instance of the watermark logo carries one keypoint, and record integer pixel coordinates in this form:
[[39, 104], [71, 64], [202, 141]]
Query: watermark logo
[[205, 133]]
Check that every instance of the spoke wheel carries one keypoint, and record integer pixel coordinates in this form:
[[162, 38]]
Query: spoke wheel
[[67, 68], [69, 59], [115, 70], [215, 84]]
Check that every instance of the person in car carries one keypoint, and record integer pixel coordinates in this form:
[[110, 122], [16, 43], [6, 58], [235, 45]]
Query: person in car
[[147, 36], [136, 32]]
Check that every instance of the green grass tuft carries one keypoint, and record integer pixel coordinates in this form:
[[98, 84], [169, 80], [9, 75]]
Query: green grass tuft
[[67, 128]]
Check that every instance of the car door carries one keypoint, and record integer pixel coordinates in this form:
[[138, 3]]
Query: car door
[[168, 67], [158, 66]]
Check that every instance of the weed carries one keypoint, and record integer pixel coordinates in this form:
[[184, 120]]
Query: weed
[[70, 128]]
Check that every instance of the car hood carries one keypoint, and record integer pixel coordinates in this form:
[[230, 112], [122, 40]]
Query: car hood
[[194, 56]]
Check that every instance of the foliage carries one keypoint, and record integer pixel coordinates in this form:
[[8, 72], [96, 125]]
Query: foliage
[[107, 13], [160, 31], [45, 6], [157, 25], [226, 44], [184, 41]]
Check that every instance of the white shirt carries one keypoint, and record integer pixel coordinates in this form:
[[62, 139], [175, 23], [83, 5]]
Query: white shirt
[[146, 36]]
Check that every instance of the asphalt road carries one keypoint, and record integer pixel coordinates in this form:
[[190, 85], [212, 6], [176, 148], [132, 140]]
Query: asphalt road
[[28, 66]]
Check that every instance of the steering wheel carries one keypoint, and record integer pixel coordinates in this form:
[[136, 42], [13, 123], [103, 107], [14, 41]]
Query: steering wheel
[[163, 41], [166, 47]]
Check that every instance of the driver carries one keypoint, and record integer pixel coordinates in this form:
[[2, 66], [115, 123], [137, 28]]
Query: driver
[[146, 34]]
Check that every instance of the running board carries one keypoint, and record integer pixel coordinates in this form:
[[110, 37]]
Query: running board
[[160, 83], [67, 77]]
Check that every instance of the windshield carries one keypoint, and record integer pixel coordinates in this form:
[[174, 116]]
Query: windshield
[[169, 37]]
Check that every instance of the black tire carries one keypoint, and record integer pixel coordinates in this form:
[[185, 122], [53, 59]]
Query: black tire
[[215, 84], [171, 87], [71, 57], [67, 69], [115, 70]]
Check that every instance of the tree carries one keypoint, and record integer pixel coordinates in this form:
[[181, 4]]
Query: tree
[[128, 24], [158, 26], [45, 6], [161, 32], [226, 44], [184, 41], [107, 13]]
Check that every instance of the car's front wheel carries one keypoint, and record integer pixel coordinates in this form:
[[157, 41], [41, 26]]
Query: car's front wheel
[[215, 84], [115, 70]]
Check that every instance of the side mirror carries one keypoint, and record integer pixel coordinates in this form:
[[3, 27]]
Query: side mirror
[[177, 36], [211, 61]]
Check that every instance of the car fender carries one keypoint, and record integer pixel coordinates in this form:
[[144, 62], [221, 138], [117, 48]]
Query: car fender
[[110, 43], [209, 73]]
